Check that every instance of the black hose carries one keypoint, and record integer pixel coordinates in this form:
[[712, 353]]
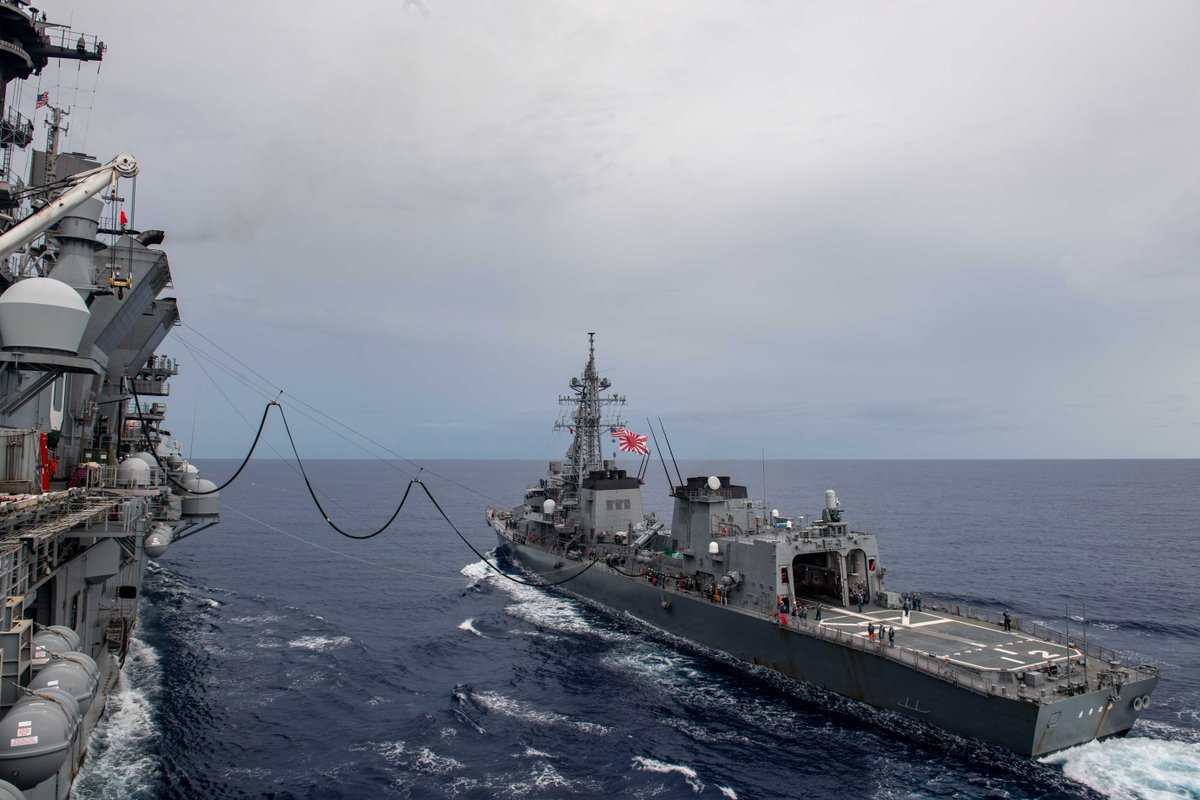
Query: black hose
[[150, 448]]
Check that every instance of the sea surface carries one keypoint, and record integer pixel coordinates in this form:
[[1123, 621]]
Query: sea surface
[[277, 659]]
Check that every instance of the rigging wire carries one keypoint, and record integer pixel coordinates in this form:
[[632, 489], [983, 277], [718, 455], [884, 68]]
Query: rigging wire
[[238, 411], [453, 527], [338, 423], [436, 505], [417, 480], [311, 489], [312, 493], [154, 450], [302, 540]]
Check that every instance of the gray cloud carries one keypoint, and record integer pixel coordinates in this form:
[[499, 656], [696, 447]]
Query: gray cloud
[[828, 230]]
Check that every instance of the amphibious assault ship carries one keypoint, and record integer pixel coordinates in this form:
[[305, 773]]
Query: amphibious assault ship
[[88, 475], [804, 598]]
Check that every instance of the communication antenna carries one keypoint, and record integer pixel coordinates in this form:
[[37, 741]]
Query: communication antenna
[[669, 450], [764, 470], [660, 455]]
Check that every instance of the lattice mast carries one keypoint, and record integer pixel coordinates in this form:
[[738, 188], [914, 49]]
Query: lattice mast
[[583, 414]]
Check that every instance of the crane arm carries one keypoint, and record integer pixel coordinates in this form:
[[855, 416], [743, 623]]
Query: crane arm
[[86, 185]]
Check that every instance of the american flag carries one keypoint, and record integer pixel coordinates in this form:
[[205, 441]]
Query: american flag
[[615, 430], [631, 442], [43, 100]]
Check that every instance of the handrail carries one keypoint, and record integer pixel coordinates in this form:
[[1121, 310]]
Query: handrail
[[1091, 650]]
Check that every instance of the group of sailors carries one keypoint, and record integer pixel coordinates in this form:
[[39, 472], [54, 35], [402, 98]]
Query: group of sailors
[[884, 630], [785, 607], [713, 592], [912, 601]]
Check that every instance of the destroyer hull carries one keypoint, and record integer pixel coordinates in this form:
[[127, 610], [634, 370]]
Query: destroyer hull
[[870, 673]]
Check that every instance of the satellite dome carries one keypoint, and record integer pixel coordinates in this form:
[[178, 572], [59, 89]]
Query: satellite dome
[[133, 471], [42, 313], [714, 483], [147, 457], [201, 505], [548, 507]]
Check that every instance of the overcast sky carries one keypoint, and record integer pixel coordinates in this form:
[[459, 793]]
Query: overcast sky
[[814, 229]]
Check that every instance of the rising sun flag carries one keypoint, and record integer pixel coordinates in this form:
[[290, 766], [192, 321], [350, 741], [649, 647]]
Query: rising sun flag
[[631, 442]]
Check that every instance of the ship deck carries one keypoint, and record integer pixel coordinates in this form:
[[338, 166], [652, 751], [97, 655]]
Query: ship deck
[[965, 642]]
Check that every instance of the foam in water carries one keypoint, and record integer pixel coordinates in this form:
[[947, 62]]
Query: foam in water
[[496, 703], [654, 765], [1134, 769], [320, 644], [541, 782], [121, 761], [469, 625], [477, 572], [539, 608]]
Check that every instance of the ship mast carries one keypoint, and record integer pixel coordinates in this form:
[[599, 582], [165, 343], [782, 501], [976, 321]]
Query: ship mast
[[582, 414]]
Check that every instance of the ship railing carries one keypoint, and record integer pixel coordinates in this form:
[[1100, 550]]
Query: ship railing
[[704, 493], [147, 388], [932, 665], [102, 476], [16, 130], [61, 36], [923, 662], [938, 666], [1036, 630]]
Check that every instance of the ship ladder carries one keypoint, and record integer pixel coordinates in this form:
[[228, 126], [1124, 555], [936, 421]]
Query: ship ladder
[[114, 636]]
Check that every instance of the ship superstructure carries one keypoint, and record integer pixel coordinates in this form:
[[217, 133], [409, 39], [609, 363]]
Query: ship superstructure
[[90, 482], [806, 597]]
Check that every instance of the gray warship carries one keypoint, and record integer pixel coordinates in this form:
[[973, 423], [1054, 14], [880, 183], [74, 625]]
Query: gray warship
[[91, 484], [806, 599]]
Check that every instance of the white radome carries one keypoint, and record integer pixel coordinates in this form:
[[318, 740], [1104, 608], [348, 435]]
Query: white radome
[[42, 313]]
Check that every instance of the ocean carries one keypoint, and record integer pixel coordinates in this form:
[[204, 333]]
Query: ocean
[[277, 659]]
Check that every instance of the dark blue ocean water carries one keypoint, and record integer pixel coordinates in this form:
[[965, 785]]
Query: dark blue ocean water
[[277, 659]]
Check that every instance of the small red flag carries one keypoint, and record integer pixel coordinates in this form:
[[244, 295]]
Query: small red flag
[[124, 219]]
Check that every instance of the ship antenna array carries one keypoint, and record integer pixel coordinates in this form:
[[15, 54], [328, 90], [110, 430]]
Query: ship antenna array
[[661, 458], [678, 474]]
